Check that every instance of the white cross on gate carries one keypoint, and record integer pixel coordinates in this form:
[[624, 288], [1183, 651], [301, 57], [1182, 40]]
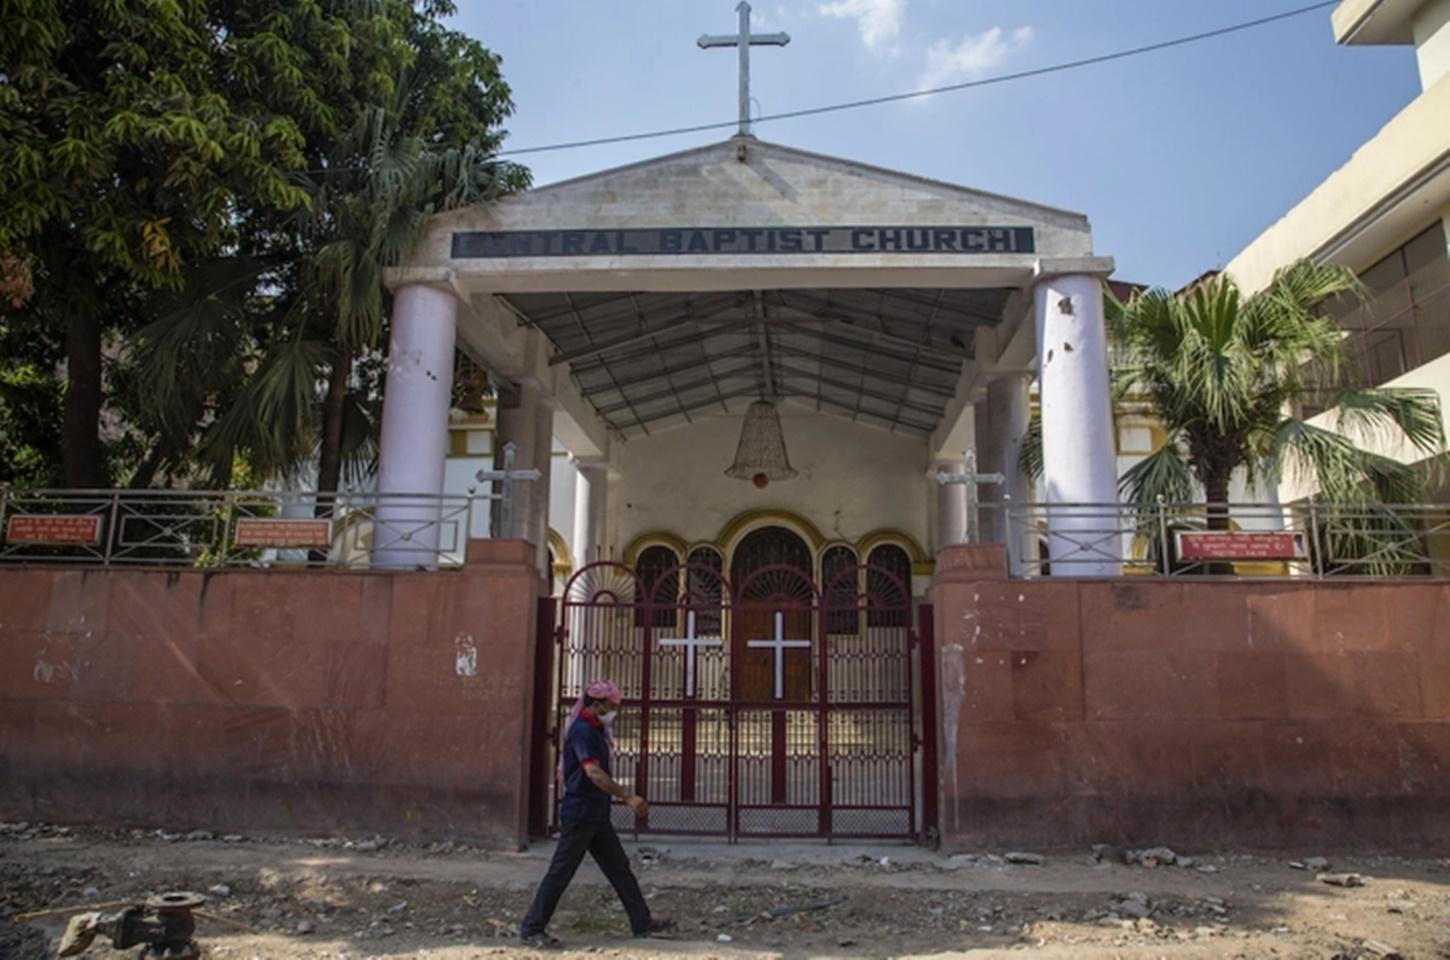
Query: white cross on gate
[[691, 643], [779, 644]]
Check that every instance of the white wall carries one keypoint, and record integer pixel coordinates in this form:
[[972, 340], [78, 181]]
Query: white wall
[[853, 480], [460, 472], [562, 479]]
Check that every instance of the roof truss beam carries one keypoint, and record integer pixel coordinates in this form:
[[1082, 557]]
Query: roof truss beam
[[854, 413], [642, 424], [693, 336], [942, 312], [641, 334], [536, 318], [845, 366], [869, 334], [859, 390], [675, 389], [833, 311], [665, 373], [866, 346], [688, 408], [652, 312]]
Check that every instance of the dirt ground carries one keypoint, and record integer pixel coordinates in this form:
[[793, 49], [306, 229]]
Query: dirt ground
[[331, 899]]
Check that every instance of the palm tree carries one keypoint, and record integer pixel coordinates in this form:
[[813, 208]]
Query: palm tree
[[1225, 375], [372, 204]]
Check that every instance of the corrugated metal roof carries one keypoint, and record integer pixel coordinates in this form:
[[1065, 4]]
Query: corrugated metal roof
[[891, 357]]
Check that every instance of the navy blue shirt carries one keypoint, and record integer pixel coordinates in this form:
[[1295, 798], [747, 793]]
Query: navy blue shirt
[[584, 743]]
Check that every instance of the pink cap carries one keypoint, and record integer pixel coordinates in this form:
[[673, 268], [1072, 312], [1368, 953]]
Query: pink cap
[[602, 690]]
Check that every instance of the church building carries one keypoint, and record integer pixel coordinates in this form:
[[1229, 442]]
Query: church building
[[755, 354]]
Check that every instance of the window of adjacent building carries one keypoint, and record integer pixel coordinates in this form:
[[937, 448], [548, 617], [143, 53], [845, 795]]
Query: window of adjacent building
[[1406, 322]]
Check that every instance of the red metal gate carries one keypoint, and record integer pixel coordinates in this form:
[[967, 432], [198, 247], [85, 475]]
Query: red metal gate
[[773, 707]]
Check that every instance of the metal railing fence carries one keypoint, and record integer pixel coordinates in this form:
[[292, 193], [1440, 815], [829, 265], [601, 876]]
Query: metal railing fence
[[1306, 539], [238, 528]]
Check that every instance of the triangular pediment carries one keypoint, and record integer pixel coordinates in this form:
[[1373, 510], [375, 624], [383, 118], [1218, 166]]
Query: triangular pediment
[[746, 182]]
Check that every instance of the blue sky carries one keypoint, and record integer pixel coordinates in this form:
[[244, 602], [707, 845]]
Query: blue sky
[[1179, 158]]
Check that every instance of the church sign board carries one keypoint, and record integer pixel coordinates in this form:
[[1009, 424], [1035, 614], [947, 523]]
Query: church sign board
[[1265, 545], [283, 534], [54, 529], [735, 241]]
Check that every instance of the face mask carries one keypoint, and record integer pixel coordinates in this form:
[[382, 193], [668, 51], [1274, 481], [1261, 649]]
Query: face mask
[[608, 717]]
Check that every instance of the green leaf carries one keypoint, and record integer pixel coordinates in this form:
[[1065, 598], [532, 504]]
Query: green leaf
[[1161, 477]]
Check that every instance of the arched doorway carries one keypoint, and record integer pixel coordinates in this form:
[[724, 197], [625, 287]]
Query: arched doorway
[[771, 636]]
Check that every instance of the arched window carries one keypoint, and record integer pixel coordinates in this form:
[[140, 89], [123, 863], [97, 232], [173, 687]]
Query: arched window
[[705, 588], [840, 590], [652, 564], [888, 587], [768, 547]]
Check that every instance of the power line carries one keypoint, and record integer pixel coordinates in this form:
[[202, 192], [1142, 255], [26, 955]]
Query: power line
[[895, 97]]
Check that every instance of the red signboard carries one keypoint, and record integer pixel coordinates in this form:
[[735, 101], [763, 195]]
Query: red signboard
[[283, 534], [1263, 545], [55, 528]]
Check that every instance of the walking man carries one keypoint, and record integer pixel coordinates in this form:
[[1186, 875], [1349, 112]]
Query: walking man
[[585, 766]]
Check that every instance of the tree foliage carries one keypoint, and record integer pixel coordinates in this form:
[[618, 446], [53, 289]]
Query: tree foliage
[[201, 197]]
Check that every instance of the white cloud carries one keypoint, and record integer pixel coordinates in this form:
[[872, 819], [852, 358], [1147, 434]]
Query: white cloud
[[878, 20], [949, 62]]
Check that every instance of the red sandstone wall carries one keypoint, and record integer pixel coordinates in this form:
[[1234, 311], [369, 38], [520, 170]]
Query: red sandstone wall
[[1192, 713], [276, 700]]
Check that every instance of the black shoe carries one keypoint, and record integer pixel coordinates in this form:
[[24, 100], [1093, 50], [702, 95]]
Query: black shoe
[[541, 941], [655, 928]]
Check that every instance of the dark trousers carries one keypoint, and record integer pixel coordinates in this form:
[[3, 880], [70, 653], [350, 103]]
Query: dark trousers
[[576, 838]]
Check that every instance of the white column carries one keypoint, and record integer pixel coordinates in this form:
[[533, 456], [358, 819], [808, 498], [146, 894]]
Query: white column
[[1000, 433], [1078, 449], [951, 504], [414, 441], [989, 529], [537, 532], [591, 510]]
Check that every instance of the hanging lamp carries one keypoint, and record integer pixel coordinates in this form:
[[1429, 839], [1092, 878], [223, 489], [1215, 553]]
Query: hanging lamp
[[760, 456]]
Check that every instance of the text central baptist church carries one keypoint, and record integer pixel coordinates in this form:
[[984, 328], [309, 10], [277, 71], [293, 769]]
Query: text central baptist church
[[578, 243]]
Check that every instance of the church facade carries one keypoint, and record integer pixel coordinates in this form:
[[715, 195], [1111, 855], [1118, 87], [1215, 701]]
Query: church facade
[[630, 318]]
